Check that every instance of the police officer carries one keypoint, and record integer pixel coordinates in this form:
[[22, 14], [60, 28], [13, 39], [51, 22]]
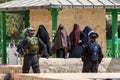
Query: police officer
[[30, 53], [93, 56]]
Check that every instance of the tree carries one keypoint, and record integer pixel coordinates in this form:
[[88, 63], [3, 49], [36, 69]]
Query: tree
[[14, 26]]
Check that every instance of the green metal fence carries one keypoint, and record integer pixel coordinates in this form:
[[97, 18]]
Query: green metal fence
[[109, 48]]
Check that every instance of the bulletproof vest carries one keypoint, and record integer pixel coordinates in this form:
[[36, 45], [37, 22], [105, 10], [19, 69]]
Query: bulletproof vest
[[32, 46], [93, 50]]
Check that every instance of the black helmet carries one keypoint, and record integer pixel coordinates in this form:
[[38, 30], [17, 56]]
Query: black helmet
[[93, 34], [29, 30]]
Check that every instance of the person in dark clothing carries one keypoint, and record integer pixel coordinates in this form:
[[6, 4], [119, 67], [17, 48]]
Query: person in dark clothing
[[44, 36], [93, 56], [76, 37], [30, 48], [85, 31], [61, 42], [85, 40]]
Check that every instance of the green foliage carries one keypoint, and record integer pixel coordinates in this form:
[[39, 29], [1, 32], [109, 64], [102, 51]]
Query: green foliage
[[2, 1], [14, 26], [109, 27]]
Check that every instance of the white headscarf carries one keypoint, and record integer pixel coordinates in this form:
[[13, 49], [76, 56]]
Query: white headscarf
[[12, 54]]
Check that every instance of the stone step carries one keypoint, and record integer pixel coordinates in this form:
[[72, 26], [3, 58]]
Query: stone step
[[68, 76], [55, 65], [60, 65], [4, 77]]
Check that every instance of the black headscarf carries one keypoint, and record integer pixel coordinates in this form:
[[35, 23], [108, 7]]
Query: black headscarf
[[43, 34], [86, 30]]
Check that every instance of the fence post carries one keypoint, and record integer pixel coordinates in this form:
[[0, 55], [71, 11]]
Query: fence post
[[3, 40], [115, 33]]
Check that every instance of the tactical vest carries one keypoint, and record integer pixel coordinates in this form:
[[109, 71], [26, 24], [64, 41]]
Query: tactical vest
[[32, 46], [93, 50]]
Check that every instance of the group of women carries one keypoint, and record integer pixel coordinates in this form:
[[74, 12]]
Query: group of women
[[64, 45]]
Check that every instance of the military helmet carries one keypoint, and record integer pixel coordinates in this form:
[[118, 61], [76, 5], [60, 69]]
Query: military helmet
[[29, 30], [93, 34]]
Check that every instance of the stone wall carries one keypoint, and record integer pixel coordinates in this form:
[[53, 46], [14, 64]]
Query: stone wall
[[74, 65], [55, 65]]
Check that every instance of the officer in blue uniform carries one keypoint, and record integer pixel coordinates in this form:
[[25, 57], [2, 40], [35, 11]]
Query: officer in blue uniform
[[93, 56], [31, 57]]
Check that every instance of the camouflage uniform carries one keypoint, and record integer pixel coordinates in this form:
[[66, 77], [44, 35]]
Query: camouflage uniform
[[30, 58]]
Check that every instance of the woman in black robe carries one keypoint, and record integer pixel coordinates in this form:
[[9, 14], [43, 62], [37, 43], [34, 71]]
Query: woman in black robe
[[44, 36], [76, 37]]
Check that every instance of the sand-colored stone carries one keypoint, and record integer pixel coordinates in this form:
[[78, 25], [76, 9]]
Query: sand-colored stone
[[70, 65], [93, 17], [4, 77], [68, 76]]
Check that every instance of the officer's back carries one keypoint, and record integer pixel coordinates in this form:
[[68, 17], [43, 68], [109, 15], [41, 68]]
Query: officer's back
[[30, 48]]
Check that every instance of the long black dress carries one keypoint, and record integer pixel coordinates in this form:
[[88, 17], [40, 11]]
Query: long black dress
[[43, 34]]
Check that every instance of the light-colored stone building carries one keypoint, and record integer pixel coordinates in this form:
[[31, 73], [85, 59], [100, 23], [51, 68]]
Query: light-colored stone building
[[93, 17]]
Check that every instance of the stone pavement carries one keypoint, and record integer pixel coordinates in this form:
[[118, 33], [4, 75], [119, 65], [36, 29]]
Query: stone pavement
[[68, 76], [70, 65], [62, 66], [4, 76]]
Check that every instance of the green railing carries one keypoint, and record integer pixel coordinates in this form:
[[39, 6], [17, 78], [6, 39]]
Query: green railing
[[109, 48]]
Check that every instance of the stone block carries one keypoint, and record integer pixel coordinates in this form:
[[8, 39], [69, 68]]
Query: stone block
[[56, 62], [4, 76]]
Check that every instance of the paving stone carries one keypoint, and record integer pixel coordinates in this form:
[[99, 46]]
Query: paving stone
[[68, 76]]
